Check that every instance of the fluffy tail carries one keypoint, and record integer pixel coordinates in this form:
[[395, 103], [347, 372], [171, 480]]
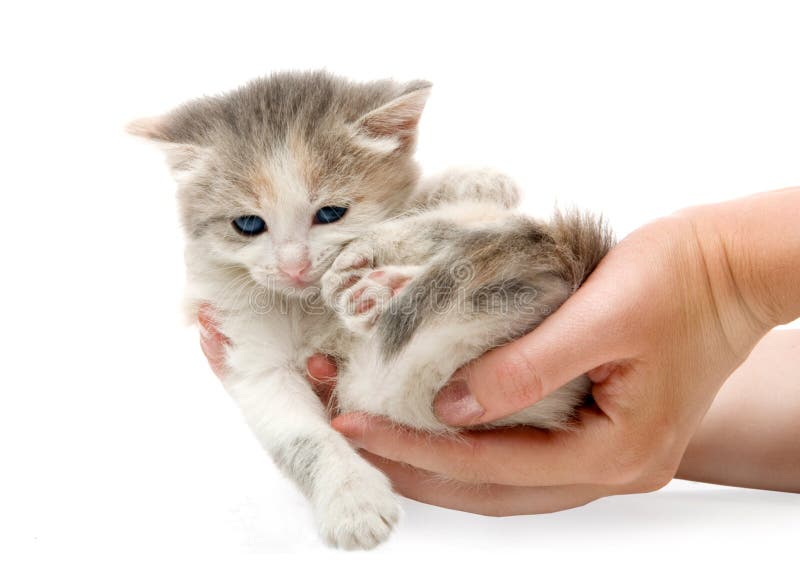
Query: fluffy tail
[[583, 239]]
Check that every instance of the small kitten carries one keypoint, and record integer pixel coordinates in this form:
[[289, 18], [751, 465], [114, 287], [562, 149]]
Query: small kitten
[[309, 230]]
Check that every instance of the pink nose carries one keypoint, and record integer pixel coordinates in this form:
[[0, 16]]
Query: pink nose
[[295, 270]]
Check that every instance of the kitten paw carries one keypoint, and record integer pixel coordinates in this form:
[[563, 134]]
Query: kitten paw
[[466, 184], [362, 294], [348, 268], [360, 514]]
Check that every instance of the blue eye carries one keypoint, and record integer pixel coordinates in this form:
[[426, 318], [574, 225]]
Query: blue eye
[[250, 225], [327, 215]]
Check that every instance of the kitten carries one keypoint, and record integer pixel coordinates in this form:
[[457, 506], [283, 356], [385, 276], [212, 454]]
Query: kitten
[[308, 230]]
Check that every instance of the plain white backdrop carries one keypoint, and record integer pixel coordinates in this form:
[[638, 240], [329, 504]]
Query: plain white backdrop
[[119, 444]]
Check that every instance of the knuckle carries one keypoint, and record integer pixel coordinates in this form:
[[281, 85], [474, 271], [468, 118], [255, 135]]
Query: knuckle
[[521, 381], [643, 454], [655, 480], [624, 473], [642, 464], [628, 462]]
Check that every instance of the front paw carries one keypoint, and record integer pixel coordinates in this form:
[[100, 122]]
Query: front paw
[[357, 290], [360, 293], [349, 267], [359, 514]]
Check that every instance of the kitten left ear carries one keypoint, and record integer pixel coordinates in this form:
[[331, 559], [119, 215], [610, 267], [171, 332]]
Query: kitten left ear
[[180, 156], [393, 125]]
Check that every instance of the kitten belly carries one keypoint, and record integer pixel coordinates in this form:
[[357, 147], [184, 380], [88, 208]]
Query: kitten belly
[[556, 411], [285, 334], [404, 389]]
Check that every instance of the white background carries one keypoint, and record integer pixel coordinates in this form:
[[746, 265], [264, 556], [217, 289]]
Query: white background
[[118, 443]]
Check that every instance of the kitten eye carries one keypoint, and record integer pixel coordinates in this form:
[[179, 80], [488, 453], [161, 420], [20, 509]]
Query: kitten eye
[[327, 215], [249, 225]]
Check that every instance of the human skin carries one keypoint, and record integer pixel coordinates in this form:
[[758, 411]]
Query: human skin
[[751, 435], [665, 319], [748, 438]]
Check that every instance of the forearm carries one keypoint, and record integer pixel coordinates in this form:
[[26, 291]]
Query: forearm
[[750, 436]]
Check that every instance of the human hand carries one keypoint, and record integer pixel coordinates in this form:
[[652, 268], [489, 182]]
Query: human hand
[[668, 314], [658, 327]]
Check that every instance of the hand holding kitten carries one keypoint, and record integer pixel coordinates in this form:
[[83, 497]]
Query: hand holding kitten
[[659, 326], [662, 322]]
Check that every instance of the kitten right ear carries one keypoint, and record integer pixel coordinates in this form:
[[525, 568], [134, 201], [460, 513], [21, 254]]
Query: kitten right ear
[[180, 156], [393, 125], [149, 128]]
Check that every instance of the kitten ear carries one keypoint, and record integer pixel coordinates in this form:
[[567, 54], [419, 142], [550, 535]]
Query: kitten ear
[[181, 156], [393, 125], [148, 127]]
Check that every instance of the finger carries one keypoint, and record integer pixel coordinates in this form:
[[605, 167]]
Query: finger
[[603, 372], [321, 369], [214, 350], [321, 373], [574, 340], [520, 456], [489, 500], [213, 343], [207, 319]]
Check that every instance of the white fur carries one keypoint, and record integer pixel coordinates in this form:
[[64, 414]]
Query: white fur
[[353, 502], [378, 145], [273, 331]]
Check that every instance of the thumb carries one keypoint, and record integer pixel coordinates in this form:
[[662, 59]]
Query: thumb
[[575, 339]]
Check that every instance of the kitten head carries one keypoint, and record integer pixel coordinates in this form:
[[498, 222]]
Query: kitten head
[[277, 176]]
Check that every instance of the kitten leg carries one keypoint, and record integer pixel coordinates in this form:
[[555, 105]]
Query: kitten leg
[[352, 501], [466, 184]]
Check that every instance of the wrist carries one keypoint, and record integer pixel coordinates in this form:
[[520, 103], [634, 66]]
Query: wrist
[[751, 248], [740, 317]]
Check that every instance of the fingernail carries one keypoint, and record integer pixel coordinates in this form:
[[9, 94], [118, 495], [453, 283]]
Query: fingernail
[[321, 368], [349, 430], [455, 405]]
